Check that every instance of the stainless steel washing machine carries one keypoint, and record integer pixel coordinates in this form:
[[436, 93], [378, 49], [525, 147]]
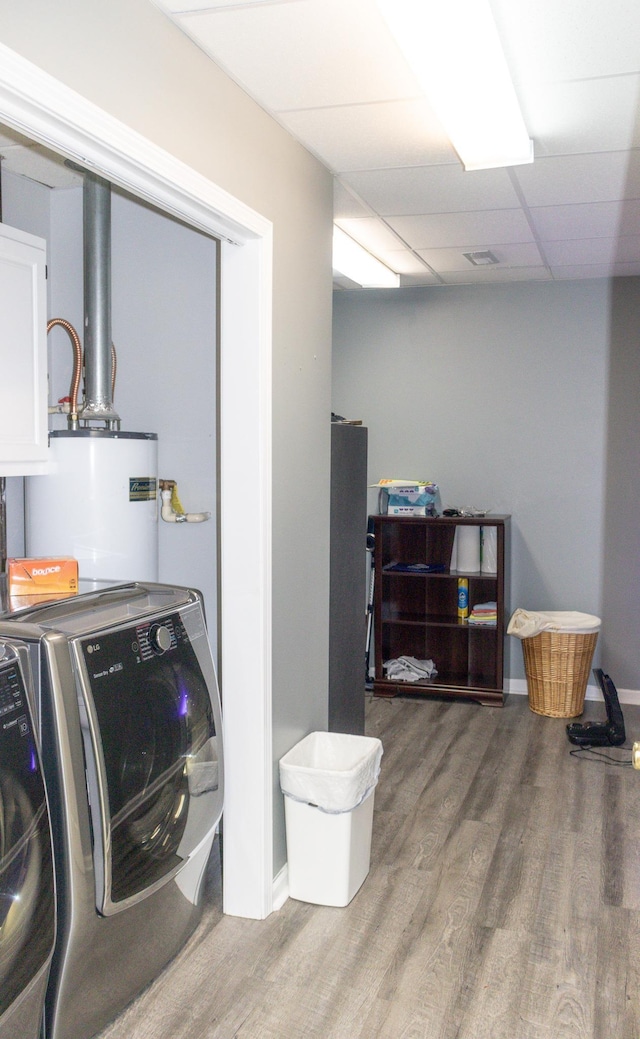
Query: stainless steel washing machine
[[27, 890], [132, 753]]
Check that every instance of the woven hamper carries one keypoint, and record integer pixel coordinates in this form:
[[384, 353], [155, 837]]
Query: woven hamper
[[557, 666]]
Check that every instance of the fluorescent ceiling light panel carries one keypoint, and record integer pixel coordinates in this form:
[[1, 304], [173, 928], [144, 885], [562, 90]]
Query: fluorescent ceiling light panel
[[454, 50], [355, 263]]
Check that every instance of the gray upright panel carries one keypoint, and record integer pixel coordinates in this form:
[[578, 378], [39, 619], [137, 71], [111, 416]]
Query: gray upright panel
[[347, 623]]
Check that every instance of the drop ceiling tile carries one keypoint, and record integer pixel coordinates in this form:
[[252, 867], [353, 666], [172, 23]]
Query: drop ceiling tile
[[545, 40], [371, 233], [625, 269], [404, 262], [451, 229], [212, 5], [496, 275], [594, 115], [433, 189], [596, 270], [588, 220], [327, 70], [571, 179], [373, 136], [346, 205], [593, 250], [306, 54], [523, 254]]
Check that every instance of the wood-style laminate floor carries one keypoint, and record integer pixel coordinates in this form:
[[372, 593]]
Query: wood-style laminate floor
[[503, 902]]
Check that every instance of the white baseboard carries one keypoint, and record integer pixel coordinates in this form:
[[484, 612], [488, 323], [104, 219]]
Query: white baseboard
[[518, 686], [281, 888]]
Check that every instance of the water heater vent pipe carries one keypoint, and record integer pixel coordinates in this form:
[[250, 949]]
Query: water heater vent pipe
[[96, 200]]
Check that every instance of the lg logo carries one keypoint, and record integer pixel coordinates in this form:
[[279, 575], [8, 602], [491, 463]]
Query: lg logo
[[93, 648]]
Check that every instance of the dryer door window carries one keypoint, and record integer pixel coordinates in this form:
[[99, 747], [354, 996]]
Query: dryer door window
[[152, 737], [27, 905]]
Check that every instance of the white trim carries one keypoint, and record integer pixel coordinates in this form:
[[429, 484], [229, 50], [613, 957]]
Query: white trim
[[281, 888], [518, 686], [245, 417], [45, 110]]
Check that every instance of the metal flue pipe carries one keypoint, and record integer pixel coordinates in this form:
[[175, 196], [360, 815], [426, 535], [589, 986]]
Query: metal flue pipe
[[97, 299]]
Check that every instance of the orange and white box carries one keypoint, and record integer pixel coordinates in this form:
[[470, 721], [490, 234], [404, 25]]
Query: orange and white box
[[42, 576]]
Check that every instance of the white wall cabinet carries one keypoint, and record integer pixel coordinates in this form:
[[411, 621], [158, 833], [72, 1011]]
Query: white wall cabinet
[[23, 354]]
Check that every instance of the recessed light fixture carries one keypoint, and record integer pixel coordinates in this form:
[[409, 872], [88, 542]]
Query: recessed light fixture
[[354, 262], [454, 50], [481, 259]]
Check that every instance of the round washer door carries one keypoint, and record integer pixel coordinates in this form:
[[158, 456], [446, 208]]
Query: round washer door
[[149, 718], [148, 788], [27, 902]]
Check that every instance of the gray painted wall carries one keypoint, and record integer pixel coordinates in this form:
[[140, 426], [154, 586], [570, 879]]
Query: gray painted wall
[[501, 395], [164, 328], [126, 57]]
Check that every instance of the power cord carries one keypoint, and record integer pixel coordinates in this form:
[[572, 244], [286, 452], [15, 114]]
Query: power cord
[[591, 754]]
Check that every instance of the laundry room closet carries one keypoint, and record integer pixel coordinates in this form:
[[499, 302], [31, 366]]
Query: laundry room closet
[[164, 330]]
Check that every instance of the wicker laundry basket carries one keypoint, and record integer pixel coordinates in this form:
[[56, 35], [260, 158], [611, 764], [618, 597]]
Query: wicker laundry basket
[[557, 666]]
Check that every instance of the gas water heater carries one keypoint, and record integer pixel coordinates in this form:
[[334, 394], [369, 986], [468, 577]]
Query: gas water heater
[[99, 500], [98, 504]]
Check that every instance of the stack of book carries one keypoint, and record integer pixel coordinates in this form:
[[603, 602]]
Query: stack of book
[[484, 613]]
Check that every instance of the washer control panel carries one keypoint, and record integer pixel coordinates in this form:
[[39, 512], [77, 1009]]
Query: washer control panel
[[12, 692]]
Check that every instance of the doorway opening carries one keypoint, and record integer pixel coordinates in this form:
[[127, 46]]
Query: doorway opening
[[46, 111]]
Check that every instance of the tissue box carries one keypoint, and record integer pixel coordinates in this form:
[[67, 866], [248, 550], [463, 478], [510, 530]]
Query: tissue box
[[419, 498], [42, 576]]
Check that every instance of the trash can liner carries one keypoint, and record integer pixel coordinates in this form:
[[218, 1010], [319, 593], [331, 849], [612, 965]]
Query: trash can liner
[[334, 771], [526, 623]]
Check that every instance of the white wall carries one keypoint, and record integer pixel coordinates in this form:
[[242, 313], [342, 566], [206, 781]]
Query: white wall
[[126, 57], [499, 394]]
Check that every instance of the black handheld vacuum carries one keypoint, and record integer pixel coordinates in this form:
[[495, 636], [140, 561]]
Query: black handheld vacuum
[[601, 734], [371, 544]]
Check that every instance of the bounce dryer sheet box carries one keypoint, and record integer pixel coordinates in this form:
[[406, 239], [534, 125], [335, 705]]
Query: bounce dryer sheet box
[[45, 576]]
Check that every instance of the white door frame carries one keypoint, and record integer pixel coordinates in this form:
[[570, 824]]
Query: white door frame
[[47, 111]]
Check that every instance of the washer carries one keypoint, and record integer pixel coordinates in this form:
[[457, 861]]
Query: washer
[[132, 755], [27, 889]]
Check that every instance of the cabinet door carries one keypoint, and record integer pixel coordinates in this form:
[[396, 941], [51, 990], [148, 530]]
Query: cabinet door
[[23, 354]]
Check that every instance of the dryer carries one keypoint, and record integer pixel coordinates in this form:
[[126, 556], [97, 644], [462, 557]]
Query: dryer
[[132, 755], [27, 894]]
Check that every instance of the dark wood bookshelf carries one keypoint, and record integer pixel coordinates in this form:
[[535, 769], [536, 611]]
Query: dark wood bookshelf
[[416, 611]]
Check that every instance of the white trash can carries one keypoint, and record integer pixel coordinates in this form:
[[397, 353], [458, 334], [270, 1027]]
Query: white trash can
[[329, 780]]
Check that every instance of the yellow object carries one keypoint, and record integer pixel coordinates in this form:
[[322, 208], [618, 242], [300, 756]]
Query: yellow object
[[463, 598], [176, 504]]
